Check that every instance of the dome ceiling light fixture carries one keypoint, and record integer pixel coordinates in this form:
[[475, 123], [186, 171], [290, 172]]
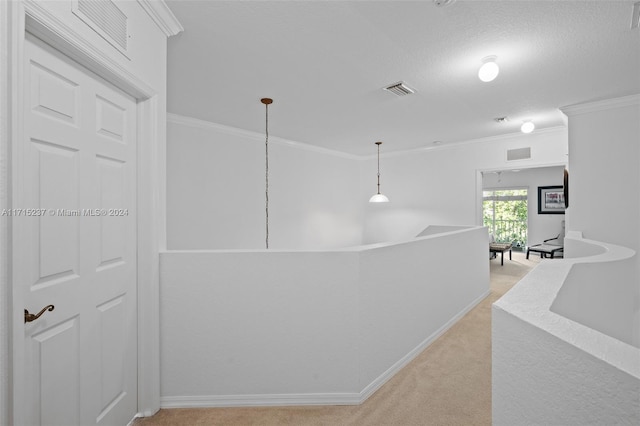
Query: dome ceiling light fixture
[[527, 126], [489, 69], [378, 198]]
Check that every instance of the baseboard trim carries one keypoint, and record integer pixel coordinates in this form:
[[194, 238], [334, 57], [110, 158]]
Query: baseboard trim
[[266, 400], [402, 362], [355, 398]]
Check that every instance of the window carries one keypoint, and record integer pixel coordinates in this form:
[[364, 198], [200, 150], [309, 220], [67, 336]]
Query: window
[[504, 212]]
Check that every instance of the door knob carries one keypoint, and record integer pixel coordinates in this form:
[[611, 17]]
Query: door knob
[[32, 317]]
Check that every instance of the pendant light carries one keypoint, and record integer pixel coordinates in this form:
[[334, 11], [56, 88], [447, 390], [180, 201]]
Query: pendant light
[[378, 198], [266, 102]]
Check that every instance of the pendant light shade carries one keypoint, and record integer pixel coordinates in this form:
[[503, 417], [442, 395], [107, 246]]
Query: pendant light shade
[[378, 198]]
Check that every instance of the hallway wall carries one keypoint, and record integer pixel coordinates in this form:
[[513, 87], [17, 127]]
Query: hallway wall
[[292, 327], [319, 198], [604, 136], [216, 191], [443, 185]]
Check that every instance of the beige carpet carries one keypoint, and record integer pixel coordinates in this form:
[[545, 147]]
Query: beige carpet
[[449, 383]]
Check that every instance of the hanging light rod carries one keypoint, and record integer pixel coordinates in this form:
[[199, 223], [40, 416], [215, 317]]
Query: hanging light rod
[[266, 102], [378, 198]]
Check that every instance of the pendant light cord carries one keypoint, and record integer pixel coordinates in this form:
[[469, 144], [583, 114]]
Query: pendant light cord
[[266, 177], [378, 167]]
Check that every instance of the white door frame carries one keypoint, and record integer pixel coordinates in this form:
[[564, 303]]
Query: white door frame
[[17, 18]]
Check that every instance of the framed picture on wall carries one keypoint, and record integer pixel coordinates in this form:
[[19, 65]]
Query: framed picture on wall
[[551, 200]]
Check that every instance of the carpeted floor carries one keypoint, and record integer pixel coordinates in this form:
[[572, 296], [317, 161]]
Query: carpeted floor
[[449, 383]]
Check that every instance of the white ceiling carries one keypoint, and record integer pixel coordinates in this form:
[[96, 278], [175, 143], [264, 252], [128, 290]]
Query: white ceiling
[[325, 63]]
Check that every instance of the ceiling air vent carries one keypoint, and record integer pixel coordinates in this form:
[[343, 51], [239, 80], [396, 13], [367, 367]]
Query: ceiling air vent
[[635, 17], [400, 89], [105, 18], [519, 154], [442, 3]]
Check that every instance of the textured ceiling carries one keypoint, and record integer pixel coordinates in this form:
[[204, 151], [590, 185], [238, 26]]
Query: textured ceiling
[[325, 63]]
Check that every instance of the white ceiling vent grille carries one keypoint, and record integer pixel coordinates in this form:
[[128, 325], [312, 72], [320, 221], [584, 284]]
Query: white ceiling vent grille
[[400, 89], [106, 19], [443, 3], [519, 154]]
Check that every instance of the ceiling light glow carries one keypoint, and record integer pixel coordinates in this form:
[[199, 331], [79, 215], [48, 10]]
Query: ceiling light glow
[[527, 127], [489, 69]]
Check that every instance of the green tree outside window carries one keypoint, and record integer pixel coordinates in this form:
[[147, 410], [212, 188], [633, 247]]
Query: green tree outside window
[[505, 214]]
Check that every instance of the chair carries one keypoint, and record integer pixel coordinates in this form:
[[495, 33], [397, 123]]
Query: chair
[[549, 247], [495, 248]]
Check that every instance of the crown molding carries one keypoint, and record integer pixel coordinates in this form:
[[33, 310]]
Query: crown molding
[[606, 104], [248, 134], [162, 16], [475, 142], [203, 124]]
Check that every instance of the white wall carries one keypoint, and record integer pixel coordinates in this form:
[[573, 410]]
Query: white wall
[[410, 291], [540, 226], [578, 362], [553, 382], [318, 198], [602, 297], [258, 323], [443, 185], [604, 177], [276, 327], [216, 191], [561, 355]]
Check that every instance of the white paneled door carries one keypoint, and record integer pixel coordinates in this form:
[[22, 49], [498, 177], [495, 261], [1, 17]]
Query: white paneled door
[[76, 247]]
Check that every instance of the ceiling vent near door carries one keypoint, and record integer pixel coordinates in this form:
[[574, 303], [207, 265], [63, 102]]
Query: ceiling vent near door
[[635, 15], [400, 89], [519, 154], [105, 18], [443, 3]]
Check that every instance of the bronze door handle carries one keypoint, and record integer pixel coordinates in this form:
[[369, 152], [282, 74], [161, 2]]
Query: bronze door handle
[[32, 317]]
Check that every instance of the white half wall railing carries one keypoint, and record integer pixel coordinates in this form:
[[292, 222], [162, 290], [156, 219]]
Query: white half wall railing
[[566, 341], [278, 327]]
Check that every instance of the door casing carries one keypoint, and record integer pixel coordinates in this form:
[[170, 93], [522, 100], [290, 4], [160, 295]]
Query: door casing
[[28, 16]]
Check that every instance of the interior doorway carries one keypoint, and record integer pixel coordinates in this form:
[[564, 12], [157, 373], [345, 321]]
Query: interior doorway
[[505, 214], [76, 256]]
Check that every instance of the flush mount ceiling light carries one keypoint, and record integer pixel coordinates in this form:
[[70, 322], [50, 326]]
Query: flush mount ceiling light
[[266, 102], [527, 127], [489, 69], [378, 198]]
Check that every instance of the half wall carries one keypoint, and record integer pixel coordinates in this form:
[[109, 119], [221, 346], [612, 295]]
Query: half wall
[[277, 327]]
